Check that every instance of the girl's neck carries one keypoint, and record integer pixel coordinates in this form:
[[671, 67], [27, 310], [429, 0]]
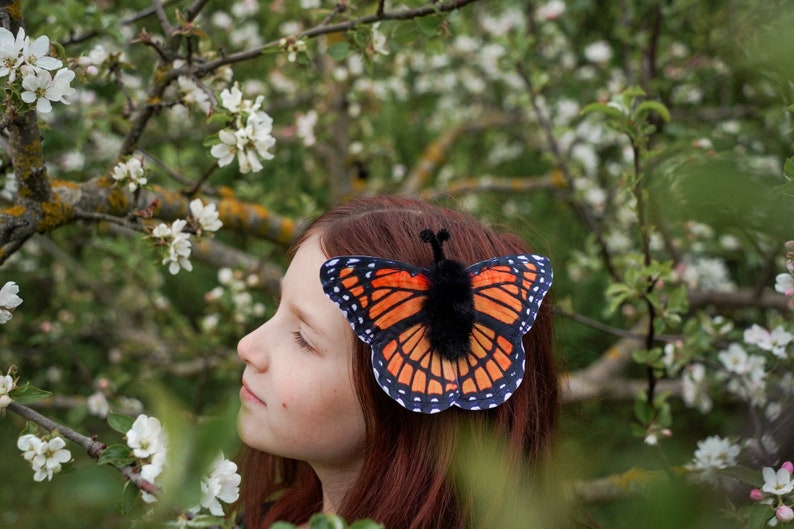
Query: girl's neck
[[336, 481]]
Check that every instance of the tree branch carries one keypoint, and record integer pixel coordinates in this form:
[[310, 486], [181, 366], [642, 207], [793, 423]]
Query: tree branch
[[92, 447], [341, 27]]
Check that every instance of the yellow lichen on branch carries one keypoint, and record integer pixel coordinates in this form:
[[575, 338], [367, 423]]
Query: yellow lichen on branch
[[54, 213], [256, 220]]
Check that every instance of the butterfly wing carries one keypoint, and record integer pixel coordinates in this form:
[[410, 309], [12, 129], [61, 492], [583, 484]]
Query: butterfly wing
[[507, 295], [384, 301]]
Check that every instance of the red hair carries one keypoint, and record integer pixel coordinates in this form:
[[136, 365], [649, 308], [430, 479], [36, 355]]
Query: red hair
[[405, 479]]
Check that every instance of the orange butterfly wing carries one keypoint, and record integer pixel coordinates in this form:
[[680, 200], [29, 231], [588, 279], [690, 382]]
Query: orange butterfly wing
[[383, 301], [507, 293]]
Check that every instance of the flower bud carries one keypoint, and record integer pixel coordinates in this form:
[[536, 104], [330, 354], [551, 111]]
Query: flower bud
[[784, 513], [5, 400], [788, 466], [756, 495]]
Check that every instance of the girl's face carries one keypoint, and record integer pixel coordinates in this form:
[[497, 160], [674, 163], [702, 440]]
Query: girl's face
[[298, 399]]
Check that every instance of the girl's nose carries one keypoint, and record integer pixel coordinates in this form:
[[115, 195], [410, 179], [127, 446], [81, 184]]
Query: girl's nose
[[252, 348]]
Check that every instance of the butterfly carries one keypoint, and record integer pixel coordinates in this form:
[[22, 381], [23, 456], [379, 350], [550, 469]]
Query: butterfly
[[443, 336]]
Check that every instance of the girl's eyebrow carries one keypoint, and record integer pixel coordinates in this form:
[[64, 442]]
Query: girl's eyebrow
[[304, 317]]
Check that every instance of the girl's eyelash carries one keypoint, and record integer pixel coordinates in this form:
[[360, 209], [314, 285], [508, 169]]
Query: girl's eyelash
[[301, 341]]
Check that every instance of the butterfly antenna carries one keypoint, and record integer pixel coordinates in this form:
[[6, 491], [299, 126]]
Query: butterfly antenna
[[436, 240]]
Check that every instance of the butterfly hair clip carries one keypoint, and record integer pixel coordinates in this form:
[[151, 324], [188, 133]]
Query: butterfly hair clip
[[448, 335]]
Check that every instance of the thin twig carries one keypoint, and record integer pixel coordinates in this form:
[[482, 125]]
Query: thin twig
[[104, 217], [194, 10], [168, 29], [622, 333], [584, 213], [340, 8]]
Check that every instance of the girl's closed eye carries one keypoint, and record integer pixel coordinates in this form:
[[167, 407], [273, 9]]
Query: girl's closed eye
[[301, 341]]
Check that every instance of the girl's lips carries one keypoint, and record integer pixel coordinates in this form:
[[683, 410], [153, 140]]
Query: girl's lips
[[246, 395]]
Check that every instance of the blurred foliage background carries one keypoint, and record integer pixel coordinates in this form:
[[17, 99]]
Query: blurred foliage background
[[480, 108]]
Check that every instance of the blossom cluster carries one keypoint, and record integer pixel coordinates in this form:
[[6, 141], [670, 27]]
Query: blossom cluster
[[712, 455], [756, 368], [9, 300], [233, 294], [7, 383], [777, 492], [28, 61], [149, 444], [251, 135], [130, 173], [45, 455], [176, 240], [177, 244]]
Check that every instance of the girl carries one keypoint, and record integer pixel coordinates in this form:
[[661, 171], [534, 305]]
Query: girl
[[326, 429]]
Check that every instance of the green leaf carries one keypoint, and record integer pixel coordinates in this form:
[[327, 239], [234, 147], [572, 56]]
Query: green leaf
[[602, 108], [430, 26], [27, 394], [120, 423], [788, 167], [744, 474], [339, 51], [642, 410], [646, 107], [757, 515], [327, 521], [678, 302], [30, 428], [117, 455]]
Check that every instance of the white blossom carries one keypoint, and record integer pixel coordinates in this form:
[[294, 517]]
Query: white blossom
[[6, 384], [179, 245], [130, 173], [250, 141], [192, 94], [35, 54], [44, 89], [45, 457], [11, 53], [775, 341], [598, 52], [784, 283], [551, 10], [231, 99], [746, 373], [712, 454], [778, 483], [146, 438], [304, 127], [379, 44], [695, 389], [8, 300], [221, 483], [206, 216], [97, 404]]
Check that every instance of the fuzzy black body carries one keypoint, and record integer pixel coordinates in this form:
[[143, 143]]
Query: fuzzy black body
[[449, 307]]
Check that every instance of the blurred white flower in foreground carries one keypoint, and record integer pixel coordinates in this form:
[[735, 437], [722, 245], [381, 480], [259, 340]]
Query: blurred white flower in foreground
[[221, 483]]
